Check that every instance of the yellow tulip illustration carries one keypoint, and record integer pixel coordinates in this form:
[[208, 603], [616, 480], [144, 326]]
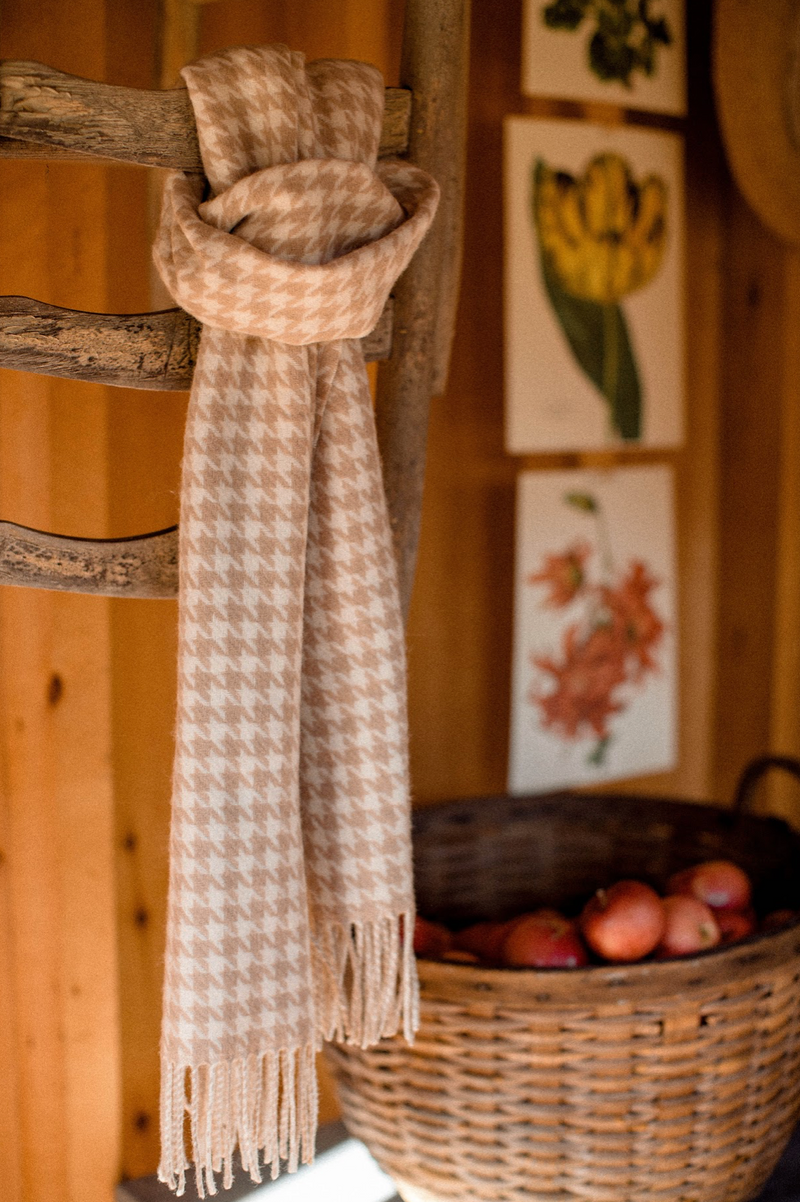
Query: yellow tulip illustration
[[601, 236], [604, 233]]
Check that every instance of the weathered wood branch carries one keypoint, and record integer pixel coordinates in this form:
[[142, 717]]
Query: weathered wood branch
[[47, 114], [146, 566], [137, 350], [141, 350]]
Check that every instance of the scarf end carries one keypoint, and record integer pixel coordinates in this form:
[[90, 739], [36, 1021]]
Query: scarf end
[[266, 1104], [366, 977]]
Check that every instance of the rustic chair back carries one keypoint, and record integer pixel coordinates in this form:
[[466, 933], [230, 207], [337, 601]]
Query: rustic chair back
[[47, 114]]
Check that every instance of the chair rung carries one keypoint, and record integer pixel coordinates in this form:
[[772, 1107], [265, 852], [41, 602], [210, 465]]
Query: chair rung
[[47, 114], [146, 566], [133, 350]]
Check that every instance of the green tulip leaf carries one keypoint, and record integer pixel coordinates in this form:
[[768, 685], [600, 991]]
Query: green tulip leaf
[[581, 500], [598, 338]]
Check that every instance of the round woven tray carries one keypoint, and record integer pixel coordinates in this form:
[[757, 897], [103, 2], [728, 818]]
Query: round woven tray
[[661, 1080]]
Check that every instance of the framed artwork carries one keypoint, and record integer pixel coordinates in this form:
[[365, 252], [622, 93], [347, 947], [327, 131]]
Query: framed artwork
[[594, 692], [626, 52], [594, 288]]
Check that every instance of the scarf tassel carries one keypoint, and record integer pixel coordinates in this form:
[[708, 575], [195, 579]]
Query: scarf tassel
[[267, 1101], [367, 980]]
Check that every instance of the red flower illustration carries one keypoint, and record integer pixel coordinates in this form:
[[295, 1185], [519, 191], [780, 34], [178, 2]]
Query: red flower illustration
[[638, 625], [589, 671], [564, 574], [613, 645]]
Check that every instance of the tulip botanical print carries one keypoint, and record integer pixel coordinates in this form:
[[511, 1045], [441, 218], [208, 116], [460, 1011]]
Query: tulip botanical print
[[601, 236], [594, 324], [629, 52], [594, 628]]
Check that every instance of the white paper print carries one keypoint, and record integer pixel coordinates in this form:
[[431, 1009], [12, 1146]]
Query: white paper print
[[594, 668], [622, 51], [594, 324]]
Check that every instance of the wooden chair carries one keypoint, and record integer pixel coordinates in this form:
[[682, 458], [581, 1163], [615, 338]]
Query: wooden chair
[[47, 114]]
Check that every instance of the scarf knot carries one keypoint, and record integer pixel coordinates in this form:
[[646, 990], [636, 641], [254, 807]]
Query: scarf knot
[[297, 253], [306, 232]]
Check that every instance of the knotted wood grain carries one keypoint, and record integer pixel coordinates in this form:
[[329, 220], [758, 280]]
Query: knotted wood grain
[[46, 113], [145, 566], [132, 350]]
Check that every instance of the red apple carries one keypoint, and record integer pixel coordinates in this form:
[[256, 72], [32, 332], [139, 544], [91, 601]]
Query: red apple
[[544, 940], [431, 939], [484, 939], [690, 926], [623, 923], [735, 924], [719, 883]]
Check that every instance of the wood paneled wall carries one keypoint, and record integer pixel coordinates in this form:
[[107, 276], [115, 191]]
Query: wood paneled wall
[[87, 685]]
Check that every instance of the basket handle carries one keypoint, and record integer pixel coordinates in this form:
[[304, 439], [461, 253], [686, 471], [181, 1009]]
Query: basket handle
[[752, 775]]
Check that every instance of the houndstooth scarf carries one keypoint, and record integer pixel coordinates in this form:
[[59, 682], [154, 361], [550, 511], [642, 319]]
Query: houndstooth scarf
[[290, 870]]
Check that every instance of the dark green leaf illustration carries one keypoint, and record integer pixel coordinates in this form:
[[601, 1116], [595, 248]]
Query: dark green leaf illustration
[[565, 14], [598, 338], [625, 38], [602, 236], [581, 500]]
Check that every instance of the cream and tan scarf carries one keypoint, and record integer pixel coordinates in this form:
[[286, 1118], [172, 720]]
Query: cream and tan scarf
[[290, 871]]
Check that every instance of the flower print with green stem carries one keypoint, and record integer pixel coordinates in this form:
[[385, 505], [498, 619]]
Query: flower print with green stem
[[626, 36], [609, 647], [602, 236]]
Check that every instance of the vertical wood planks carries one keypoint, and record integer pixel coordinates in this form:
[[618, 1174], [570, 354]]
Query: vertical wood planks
[[750, 457], [144, 447], [697, 464], [62, 1044], [10, 1104], [784, 796]]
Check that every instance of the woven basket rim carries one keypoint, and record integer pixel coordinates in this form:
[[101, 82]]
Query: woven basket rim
[[444, 809], [648, 979]]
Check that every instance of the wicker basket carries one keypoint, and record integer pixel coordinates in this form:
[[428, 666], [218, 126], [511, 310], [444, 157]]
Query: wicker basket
[[663, 1080]]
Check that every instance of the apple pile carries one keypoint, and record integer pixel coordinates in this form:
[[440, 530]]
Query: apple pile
[[705, 906]]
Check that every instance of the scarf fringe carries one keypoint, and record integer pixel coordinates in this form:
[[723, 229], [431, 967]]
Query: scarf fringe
[[267, 1104], [263, 1102], [366, 979]]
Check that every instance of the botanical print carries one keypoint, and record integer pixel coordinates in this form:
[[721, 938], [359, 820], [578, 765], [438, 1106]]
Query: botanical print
[[628, 52], [613, 641], [594, 306], [594, 627], [625, 34], [601, 236]]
